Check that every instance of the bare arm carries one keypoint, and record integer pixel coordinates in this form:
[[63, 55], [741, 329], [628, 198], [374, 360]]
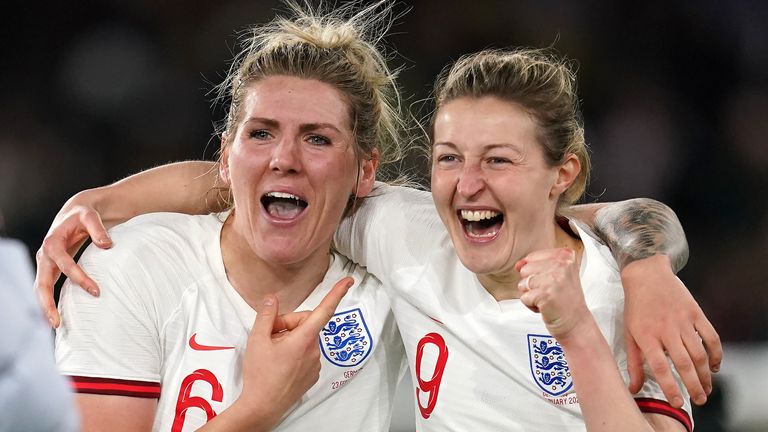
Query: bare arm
[[550, 285], [185, 187], [636, 229], [116, 413], [598, 385], [649, 245]]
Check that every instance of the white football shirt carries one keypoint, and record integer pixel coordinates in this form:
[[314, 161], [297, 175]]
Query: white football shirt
[[479, 364], [169, 325]]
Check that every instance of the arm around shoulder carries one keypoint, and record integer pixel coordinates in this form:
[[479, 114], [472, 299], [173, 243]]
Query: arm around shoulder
[[636, 229], [648, 242]]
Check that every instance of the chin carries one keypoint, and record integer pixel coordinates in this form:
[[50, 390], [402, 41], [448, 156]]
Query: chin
[[282, 252], [475, 262]]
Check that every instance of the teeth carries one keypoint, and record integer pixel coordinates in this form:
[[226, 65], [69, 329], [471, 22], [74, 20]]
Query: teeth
[[282, 195], [486, 235], [474, 216]]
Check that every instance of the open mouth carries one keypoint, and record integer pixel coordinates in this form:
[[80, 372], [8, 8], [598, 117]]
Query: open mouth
[[282, 205], [481, 224]]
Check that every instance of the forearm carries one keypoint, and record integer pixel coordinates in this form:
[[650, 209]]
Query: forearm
[[598, 382], [185, 187], [239, 417], [636, 229]]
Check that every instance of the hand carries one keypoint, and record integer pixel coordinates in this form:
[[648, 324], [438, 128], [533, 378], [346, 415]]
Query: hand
[[282, 359], [69, 230], [550, 285], [661, 315]]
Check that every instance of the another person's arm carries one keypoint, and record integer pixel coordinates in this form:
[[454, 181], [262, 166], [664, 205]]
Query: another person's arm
[[649, 245], [184, 187]]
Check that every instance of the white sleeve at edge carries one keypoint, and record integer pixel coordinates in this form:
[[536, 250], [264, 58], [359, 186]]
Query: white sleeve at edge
[[113, 335], [395, 227]]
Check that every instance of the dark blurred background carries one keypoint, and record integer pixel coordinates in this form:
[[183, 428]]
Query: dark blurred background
[[675, 99]]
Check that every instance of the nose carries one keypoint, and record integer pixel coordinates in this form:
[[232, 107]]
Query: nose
[[471, 181], [286, 157]]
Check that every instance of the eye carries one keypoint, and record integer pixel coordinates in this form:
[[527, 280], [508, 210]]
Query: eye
[[446, 159], [498, 161], [318, 140], [259, 134]]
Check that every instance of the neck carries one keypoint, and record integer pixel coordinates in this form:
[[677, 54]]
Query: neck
[[502, 285], [253, 277]]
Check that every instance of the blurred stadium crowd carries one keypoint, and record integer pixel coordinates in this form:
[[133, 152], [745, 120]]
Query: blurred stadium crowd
[[675, 98]]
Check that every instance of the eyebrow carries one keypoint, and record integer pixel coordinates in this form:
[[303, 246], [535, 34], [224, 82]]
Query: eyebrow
[[444, 143], [486, 148], [314, 126], [304, 127], [267, 121]]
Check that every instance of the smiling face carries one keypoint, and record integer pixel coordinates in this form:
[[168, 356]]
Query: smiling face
[[491, 185], [291, 166]]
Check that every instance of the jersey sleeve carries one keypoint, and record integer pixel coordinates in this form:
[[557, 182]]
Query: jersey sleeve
[[110, 344], [394, 227]]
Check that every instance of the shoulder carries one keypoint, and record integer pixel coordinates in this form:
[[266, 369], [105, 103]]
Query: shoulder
[[392, 194], [168, 226], [600, 277], [342, 266], [156, 250], [596, 252], [156, 233]]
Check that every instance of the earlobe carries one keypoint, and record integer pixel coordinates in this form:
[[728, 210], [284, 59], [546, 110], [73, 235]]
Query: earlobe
[[366, 178], [566, 174]]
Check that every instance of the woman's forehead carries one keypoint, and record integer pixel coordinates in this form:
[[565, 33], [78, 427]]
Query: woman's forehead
[[298, 100], [486, 121]]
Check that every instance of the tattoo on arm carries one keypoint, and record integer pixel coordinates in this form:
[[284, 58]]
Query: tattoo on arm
[[640, 228]]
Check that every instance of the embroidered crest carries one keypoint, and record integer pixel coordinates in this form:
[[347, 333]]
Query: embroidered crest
[[346, 340], [548, 364]]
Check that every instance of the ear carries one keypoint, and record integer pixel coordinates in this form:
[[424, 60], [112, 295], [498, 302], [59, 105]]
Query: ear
[[367, 174], [566, 174], [224, 162]]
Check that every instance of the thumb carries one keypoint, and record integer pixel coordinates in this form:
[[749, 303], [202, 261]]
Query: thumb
[[93, 224], [634, 364], [265, 318]]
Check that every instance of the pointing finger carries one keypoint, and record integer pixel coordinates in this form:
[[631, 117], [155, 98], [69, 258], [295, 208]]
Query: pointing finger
[[325, 310]]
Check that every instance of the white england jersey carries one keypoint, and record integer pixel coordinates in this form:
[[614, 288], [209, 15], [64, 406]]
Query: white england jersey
[[479, 364], [169, 325]]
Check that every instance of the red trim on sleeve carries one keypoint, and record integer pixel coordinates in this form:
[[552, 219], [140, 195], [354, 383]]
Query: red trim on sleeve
[[117, 387], [656, 406]]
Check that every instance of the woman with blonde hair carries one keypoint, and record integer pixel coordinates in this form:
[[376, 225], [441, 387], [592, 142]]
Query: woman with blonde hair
[[186, 332], [455, 316]]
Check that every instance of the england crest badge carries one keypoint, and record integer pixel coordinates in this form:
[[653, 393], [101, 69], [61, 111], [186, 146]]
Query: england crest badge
[[548, 364], [346, 340]]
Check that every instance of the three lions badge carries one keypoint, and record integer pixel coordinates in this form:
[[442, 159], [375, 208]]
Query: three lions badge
[[548, 364], [346, 340]]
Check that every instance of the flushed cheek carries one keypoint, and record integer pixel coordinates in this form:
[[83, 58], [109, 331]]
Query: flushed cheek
[[443, 189]]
